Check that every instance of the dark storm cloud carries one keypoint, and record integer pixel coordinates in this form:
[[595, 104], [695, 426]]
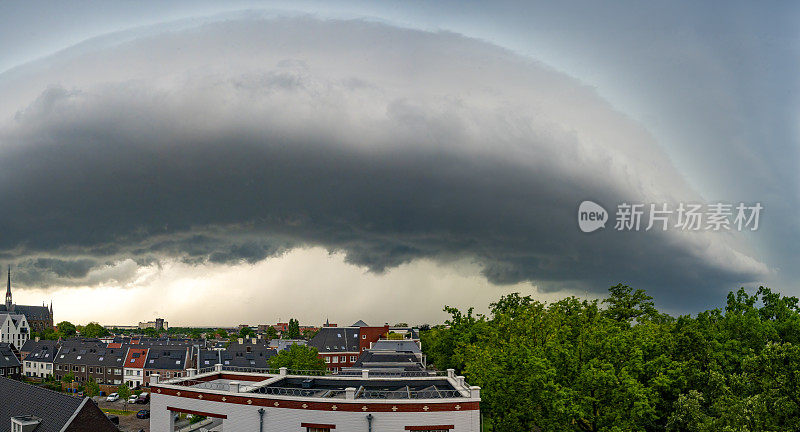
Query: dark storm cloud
[[388, 145]]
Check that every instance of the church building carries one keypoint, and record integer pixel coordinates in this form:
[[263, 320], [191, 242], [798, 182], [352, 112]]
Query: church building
[[39, 317]]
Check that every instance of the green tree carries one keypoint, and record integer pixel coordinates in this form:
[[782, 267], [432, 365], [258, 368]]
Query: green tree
[[91, 388], [294, 329], [246, 332], [625, 304], [94, 330], [573, 366], [298, 357], [271, 333], [68, 379], [124, 393], [66, 329]]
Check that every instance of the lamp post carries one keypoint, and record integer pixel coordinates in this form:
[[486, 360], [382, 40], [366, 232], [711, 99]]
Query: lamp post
[[369, 422]]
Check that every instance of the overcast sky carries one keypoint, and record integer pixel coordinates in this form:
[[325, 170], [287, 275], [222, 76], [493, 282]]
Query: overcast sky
[[243, 162]]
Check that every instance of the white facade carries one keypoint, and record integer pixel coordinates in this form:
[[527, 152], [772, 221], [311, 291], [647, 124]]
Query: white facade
[[14, 328], [133, 377], [239, 410], [37, 368]]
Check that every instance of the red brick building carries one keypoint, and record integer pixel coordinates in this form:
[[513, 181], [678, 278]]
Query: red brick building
[[340, 347]]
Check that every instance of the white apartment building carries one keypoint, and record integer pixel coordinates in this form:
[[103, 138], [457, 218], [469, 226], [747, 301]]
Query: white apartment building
[[246, 401], [14, 329], [39, 363]]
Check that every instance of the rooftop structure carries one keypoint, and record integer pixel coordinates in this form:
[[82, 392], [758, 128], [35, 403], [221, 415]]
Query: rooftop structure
[[284, 400]]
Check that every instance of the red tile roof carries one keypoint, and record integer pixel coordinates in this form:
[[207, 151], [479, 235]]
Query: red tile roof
[[136, 362]]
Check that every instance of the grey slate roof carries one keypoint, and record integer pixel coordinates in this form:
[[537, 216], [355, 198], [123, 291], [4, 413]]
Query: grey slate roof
[[55, 409], [31, 345], [92, 355], [359, 323], [166, 358], [7, 357], [255, 359], [208, 358], [42, 351], [32, 313], [336, 339]]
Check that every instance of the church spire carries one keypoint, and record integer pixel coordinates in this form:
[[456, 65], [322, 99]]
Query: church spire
[[8, 291]]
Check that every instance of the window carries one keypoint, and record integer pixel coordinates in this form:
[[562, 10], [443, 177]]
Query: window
[[352, 358], [327, 359], [343, 359]]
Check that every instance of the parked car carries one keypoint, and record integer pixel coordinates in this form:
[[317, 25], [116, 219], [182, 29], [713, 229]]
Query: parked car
[[143, 414], [143, 398], [113, 397], [133, 399], [114, 419]]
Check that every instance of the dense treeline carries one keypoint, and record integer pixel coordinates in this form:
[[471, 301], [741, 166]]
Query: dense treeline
[[620, 365]]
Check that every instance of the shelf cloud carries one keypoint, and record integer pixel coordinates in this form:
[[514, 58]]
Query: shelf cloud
[[240, 140]]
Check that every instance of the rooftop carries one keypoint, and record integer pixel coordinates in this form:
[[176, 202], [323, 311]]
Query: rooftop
[[312, 385]]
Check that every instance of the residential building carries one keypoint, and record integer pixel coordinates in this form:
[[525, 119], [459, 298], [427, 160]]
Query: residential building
[[167, 362], [38, 363], [103, 365], [401, 346], [39, 318], [207, 359], [247, 356], [134, 366], [10, 365], [14, 329], [285, 402], [340, 347], [30, 408], [386, 362]]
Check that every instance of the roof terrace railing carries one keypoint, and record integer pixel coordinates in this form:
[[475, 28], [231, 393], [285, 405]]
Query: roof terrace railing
[[275, 371], [413, 394], [361, 393], [289, 391], [389, 373], [393, 373]]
